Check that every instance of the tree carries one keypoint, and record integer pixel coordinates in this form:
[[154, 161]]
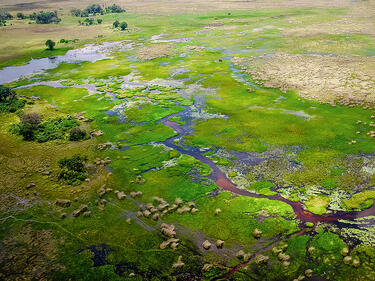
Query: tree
[[123, 25], [46, 17], [29, 125], [6, 93], [50, 44], [94, 9], [115, 9], [5, 16], [99, 21], [21, 16], [116, 24]]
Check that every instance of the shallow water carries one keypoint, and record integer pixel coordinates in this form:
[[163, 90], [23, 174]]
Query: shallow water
[[91, 53]]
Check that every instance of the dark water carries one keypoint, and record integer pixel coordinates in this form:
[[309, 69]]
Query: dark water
[[223, 182]]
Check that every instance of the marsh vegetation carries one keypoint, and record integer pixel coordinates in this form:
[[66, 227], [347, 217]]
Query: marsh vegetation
[[231, 142]]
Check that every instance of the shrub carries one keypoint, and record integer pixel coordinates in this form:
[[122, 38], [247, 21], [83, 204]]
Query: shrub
[[123, 25], [3, 22], [31, 118], [77, 134], [76, 12], [12, 105], [99, 21], [73, 170]]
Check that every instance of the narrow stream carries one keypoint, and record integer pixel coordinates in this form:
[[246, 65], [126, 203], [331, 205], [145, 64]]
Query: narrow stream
[[224, 183]]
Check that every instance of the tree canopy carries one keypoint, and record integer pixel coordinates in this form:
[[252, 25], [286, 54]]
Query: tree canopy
[[45, 17], [50, 44]]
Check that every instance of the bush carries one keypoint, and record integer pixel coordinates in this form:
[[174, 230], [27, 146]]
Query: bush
[[99, 21], [3, 23], [73, 170], [31, 118], [77, 134]]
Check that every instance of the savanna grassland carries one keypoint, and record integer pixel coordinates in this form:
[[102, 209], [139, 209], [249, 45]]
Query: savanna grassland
[[207, 140]]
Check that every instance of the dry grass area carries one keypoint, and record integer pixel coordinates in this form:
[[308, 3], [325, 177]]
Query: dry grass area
[[358, 20], [176, 6], [154, 51], [327, 79]]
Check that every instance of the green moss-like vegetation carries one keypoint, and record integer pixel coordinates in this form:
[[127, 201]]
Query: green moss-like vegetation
[[317, 204], [263, 187], [360, 201]]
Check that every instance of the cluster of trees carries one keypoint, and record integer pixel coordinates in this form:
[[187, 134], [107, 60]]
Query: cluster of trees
[[45, 17], [4, 16], [90, 21], [8, 100], [96, 9], [123, 25], [115, 9], [40, 18], [32, 128]]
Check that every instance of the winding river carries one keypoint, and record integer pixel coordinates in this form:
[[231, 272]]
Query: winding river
[[224, 183]]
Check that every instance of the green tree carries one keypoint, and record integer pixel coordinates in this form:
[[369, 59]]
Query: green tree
[[50, 44], [116, 24], [123, 25], [6, 93], [21, 16]]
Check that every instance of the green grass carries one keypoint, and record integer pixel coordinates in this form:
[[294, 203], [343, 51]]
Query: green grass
[[360, 201], [317, 204], [262, 187]]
